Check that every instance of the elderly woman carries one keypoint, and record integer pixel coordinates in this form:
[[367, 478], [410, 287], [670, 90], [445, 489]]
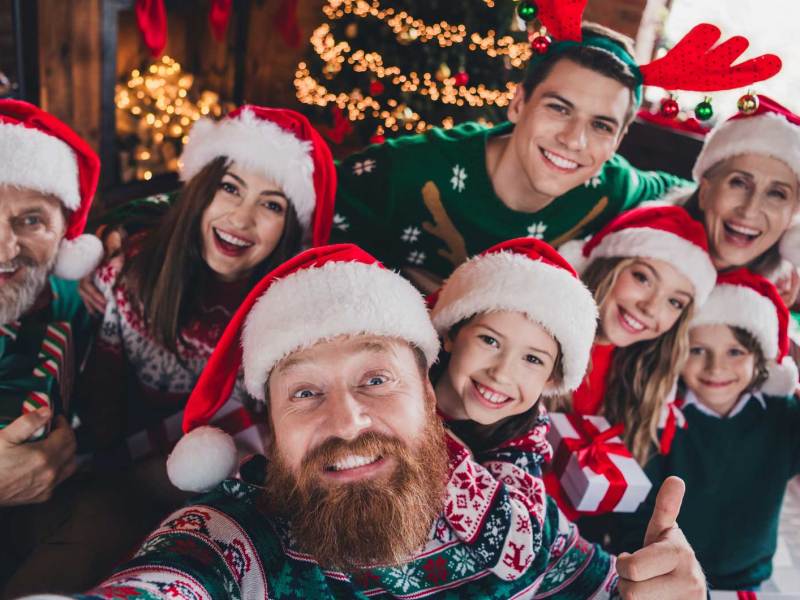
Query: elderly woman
[[748, 195]]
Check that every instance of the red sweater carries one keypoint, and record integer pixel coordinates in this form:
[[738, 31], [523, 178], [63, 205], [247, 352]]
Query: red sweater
[[588, 398]]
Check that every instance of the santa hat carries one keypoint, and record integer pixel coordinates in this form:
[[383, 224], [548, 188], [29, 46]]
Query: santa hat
[[279, 144], [318, 295], [751, 302], [665, 233], [525, 275], [772, 130], [40, 153]]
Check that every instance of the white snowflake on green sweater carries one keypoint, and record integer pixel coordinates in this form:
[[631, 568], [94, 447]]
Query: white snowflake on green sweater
[[365, 166], [536, 230], [458, 178], [416, 257], [593, 181], [405, 577], [410, 234], [340, 222]]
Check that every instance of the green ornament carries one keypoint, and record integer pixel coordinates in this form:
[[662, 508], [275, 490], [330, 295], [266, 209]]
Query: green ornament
[[527, 11], [703, 110]]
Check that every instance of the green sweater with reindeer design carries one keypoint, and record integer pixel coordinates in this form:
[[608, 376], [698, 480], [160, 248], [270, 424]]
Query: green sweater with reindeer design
[[427, 200]]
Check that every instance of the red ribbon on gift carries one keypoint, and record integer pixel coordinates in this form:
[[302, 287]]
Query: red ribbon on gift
[[592, 449]]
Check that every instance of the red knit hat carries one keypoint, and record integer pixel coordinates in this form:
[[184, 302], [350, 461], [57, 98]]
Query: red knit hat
[[743, 299], [318, 295], [39, 152], [528, 276], [279, 144], [665, 233]]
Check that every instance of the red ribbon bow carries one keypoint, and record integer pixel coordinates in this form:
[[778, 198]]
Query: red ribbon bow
[[592, 449]]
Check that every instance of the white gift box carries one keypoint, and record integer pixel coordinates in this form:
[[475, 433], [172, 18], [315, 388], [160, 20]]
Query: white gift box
[[585, 487]]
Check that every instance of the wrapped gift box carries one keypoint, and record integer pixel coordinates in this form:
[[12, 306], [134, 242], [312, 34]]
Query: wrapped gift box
[[595, 470]]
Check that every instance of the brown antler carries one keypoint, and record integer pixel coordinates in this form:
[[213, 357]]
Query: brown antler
[[694, 65], [562, 18]]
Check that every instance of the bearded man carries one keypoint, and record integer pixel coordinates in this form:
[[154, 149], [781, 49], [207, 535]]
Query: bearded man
[[360, 499]]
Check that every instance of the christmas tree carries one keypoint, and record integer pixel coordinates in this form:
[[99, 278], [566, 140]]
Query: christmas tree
[[388, 67]]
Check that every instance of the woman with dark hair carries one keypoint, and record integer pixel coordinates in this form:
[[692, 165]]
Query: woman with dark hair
[[259, 186]]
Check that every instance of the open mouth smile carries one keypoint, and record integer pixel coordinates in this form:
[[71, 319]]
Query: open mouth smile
[[559, 162], [740, 235], [354, 467], [489, 397], [630, 323], [230, 244]]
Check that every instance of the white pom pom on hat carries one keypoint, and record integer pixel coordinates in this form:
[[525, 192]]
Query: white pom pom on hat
[[201, 459]]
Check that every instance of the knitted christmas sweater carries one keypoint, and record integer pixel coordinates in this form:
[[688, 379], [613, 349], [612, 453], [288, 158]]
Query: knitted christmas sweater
[[40, 353], [224, 546], [155, 382], [736, 470], [427, 200]]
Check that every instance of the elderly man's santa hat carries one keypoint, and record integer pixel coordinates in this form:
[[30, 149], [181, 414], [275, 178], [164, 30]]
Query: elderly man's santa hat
[[772, 130], [279, 144], [528, 276], [751, 302], [665, 233], [40, 153], [318, 295]]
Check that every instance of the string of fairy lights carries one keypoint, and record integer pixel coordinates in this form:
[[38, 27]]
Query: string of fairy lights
[[443, 86]]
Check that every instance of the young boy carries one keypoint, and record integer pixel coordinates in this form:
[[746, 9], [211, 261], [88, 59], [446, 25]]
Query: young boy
[[741, 445]]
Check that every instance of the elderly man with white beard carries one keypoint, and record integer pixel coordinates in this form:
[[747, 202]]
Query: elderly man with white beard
[[365, 495]]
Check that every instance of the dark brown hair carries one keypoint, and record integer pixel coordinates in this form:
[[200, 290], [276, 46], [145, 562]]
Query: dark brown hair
[[749, 341], [598, 60], [166, 277]]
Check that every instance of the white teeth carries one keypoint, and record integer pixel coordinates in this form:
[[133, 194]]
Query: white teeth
[[227, 237], [633, 323], [743, 230], [560, 161], [7, 269], [353, 462], [492, 397]]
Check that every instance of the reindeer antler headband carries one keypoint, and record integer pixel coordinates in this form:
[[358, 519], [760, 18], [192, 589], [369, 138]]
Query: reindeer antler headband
[[693, 64]]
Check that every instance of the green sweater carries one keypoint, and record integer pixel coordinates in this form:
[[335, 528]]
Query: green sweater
[[427, 200], [736, 470]]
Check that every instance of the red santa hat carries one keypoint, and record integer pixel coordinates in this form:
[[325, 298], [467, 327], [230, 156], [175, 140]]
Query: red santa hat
[[525, 275], [40, 153], [746, 300], [772, 130], [318, 295], [279, 144], [665, 233]]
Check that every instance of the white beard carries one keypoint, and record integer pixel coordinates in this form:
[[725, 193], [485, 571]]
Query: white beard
[[17, 298]]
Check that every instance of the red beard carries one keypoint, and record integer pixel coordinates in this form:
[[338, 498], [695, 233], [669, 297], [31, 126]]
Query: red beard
[[378, 521]]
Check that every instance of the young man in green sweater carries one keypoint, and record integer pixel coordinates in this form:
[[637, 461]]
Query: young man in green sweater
[[427, 202]]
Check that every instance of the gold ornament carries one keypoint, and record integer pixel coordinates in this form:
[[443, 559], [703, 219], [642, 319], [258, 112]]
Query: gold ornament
[[442, 73], [407, 35], [351, 31]]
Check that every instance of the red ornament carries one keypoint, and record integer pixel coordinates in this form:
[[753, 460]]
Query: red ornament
[[461, 78], [377, 139], [376, 88], [540, 44], [669, 108]]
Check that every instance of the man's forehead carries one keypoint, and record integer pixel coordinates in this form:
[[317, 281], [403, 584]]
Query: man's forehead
[[341, 346], [22, 198]]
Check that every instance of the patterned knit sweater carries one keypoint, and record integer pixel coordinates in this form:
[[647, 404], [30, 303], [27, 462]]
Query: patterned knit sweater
[[155, 382], [486, 544], [427, 200]]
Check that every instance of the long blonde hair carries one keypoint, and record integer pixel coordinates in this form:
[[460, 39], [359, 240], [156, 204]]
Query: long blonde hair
[[642, 374]]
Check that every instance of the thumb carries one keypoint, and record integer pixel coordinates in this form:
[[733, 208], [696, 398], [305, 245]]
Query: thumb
[[665, 513], [22, 428]]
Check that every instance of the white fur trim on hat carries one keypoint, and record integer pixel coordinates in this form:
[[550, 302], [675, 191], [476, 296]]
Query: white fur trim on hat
[[741, 306], [646, 242], [572, 252], [782, 379], [38, 161], [547, 295], [790, 243], [79, 257], [317, 304], [260, 146], [201, 459], [769, 134]]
